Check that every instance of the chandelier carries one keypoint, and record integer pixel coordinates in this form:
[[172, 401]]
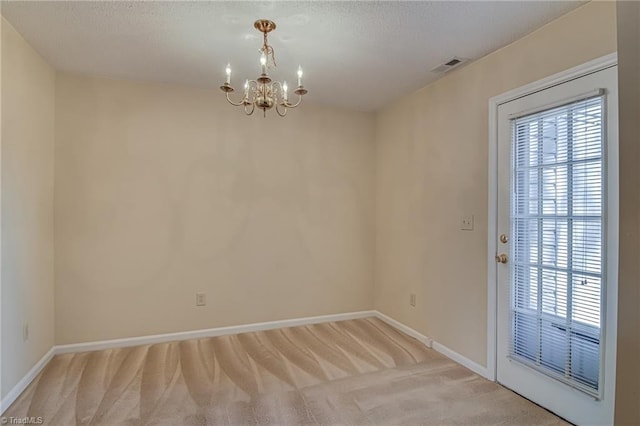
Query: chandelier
[[262, 92]]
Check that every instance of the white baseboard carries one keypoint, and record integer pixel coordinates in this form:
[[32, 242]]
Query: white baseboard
[[26, 380], [211, 332], [169, 337], [462, 360], [430, 343], [405, 329], [221, 331]]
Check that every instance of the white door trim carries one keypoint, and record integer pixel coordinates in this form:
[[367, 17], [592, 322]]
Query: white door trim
[[554, 80]]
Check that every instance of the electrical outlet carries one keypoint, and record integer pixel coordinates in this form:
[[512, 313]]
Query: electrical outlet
[[25, 332], [466, 223], [412, 299], [201, 299]]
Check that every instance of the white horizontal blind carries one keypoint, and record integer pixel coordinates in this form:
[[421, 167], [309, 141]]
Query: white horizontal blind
[[557, 250]]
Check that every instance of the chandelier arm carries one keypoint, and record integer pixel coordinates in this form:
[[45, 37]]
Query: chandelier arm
[[281, 114], [234, 103], [253, 84], [296, 104], [249, 112]]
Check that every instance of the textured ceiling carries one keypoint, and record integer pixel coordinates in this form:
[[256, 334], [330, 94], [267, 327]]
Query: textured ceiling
[[354, 54]]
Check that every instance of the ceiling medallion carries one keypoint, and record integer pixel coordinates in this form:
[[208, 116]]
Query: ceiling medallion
[[264, 93]]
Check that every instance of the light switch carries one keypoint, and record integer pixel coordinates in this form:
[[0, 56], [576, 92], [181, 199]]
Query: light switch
[[466, 223]]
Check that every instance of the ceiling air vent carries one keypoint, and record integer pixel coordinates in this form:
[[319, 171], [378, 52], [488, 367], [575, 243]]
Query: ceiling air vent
[[449, 65]]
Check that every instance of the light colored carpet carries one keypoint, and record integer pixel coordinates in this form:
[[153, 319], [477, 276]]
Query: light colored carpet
[[348, 372]]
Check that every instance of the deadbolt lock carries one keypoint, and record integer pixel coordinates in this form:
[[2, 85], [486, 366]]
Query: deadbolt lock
[[502, 258], [504, 239]]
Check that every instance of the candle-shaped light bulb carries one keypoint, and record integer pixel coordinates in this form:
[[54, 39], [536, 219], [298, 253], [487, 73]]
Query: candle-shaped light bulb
[[284, 90], [263, 63], [228, 70], [299, 75]]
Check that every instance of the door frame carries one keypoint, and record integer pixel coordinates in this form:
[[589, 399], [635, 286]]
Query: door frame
[[492, 226]]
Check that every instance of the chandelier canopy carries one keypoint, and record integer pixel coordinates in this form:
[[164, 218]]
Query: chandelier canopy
[[263, 92]]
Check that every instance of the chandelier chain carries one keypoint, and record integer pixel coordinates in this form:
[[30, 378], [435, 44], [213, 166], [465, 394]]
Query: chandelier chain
[[268, 50]]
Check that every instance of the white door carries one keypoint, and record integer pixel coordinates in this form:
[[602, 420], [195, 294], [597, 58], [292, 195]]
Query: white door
[[557, 247]]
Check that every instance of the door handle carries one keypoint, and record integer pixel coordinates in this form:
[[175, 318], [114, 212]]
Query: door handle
[[502, 258]]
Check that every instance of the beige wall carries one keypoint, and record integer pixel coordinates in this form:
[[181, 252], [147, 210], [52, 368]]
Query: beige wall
[[432, 168], [28, 85], [628, 377], [165, 191]]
